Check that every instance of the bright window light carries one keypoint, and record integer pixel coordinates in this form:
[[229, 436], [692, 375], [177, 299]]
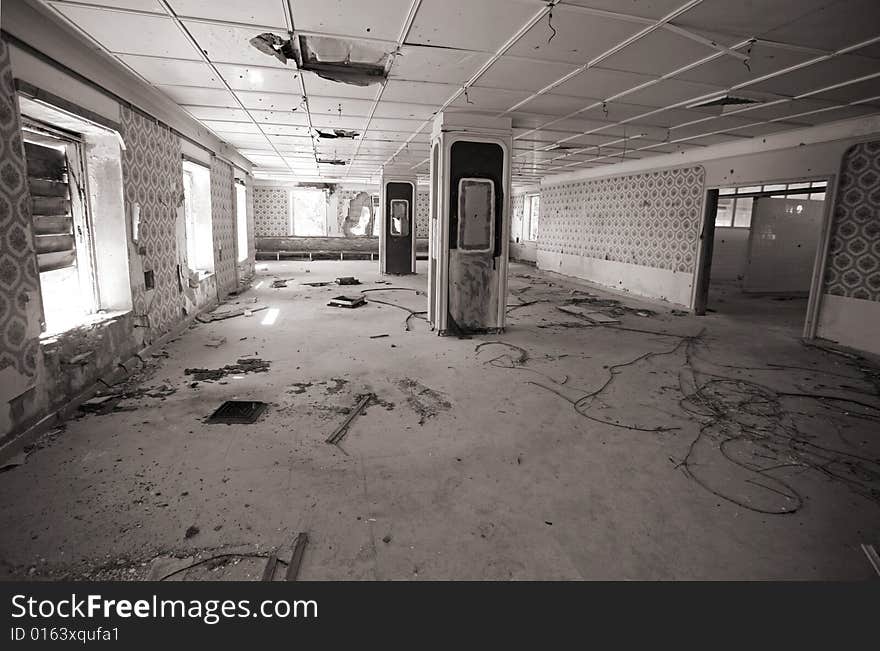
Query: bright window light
[[271, 315]]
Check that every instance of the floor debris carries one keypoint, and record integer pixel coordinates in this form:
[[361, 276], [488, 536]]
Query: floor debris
[[378, 336], [299, 548], [347, 301], [215, 342], [341, 431], [241, 412], [220, 316], [13, 462], [347, 280], [244, 365], [426, 402]]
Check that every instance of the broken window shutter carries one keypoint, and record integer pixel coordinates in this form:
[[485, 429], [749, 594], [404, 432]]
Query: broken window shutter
[[50, 207]]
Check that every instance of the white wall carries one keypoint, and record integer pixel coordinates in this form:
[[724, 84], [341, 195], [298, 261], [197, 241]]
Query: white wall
[[730, 254]]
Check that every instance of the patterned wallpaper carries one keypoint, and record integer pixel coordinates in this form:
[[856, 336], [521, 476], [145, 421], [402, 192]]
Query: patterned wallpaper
[[650, 219], [19, 281], [271, 211], [853, 268], [152, 173], [223, 224], [423, 198]]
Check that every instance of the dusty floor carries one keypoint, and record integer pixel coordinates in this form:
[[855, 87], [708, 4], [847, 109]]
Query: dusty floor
[[480, 460]]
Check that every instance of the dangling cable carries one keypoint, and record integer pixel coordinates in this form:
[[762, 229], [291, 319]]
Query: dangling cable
[[550, 24]]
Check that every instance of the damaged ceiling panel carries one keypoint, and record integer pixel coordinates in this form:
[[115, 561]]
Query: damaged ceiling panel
[[343, 60], [358, 81]]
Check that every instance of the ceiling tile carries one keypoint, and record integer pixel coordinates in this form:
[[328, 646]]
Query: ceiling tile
[[489, 99], [196, 96], [316, 85], [379, 20], [266, 13], [172, 71], [521, 73], [579, 37], [150, 6], [556, 105], [436, 65], [222, 126], [213, 113], [227, 44], [764, 59], [260, 78], [282, 102], [670, 91], [469, 25], [659, 53], [417, 92], [752, 18], [405, 111], [642, 8], [339, 106], [819, 75], [280, 117], [129, 33], [852, 92]]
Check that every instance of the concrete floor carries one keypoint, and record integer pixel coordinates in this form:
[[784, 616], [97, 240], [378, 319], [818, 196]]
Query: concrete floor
[[501, 479]]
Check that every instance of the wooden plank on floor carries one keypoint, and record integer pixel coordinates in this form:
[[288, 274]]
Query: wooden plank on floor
[[299, 547], [269, 570]]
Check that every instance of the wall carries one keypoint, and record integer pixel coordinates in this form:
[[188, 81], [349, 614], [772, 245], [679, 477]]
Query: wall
[[849, 312], [223, 216], [20, 353], [39, 375], [782, 246], [523, 250], [637, 232], [730, 254], [271, 211]]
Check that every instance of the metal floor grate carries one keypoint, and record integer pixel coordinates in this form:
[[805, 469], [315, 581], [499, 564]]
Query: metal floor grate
[[241, 412]]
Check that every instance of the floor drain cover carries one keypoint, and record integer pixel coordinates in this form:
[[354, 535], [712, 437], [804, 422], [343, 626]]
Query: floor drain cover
[[238, 412]]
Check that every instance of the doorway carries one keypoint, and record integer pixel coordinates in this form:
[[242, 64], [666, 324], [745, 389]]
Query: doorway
[[760, 252]]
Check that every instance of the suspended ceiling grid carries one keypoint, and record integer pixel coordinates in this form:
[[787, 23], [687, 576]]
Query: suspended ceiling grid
[[586, 82]]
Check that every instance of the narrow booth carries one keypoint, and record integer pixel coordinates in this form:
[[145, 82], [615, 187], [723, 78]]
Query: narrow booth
[[470, 223], [397, 238]]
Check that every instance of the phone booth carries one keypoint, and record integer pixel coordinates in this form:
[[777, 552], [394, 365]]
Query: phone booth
[[397, 238], [470, 223]]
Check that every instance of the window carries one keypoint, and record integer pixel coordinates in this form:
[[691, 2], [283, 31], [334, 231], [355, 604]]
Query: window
[[197, 209], [62, 233], [476, 214], [377, 221], [400, 217], [309, 207], [735, 205], [74, 170], [534, 208], [241, 220], [742, 212], [724, 214]]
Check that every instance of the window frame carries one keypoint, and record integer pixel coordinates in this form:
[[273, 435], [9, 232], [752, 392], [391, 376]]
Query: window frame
[[490, 241], [404, 232]]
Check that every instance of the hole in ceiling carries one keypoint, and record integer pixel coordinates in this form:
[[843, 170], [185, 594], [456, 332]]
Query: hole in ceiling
[[336, 59], [337, 133], [725, 100]]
